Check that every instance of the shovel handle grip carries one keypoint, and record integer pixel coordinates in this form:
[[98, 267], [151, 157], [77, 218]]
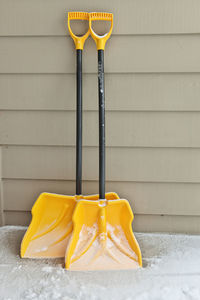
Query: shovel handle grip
[[100, 40], [78, 40]]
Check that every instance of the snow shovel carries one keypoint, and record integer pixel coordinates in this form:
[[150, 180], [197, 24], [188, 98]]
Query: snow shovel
[[102, 235], [51, 225]]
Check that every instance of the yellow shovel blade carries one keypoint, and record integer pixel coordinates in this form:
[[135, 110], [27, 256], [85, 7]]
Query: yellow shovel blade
[[102, 237], [51, 226]]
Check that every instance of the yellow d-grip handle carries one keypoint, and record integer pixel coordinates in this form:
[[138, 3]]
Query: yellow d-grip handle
[[100, 40], [78, 40]]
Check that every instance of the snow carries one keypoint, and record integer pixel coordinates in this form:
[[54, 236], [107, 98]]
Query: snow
[[171, 271], [103, 250]]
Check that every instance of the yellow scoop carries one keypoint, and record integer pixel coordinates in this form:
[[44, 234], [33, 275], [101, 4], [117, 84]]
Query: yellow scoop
[[102, 237]]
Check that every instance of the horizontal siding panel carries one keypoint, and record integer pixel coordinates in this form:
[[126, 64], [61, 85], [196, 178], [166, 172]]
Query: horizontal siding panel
[[180, 53], [124, 129], [170, 224], [123, 164], [137, 92], [141, 223], [17, 218], [144, 197], [27, 17]]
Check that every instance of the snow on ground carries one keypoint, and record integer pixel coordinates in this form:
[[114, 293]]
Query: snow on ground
[[171, 271]]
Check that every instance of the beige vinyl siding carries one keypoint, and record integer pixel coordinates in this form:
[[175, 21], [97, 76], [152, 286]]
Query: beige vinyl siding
[[124, 129], [123, 164], [174, 198], [152, 65], [28, 18], [146, 92], [124, 54]]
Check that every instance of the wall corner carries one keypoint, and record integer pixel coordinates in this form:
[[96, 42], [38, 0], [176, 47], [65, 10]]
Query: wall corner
[[1, 191]]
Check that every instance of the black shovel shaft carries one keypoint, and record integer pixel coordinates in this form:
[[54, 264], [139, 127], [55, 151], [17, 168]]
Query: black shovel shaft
[[79, 122], [101, 124]]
